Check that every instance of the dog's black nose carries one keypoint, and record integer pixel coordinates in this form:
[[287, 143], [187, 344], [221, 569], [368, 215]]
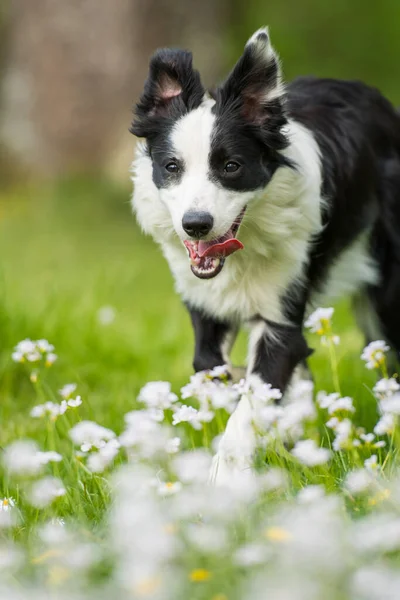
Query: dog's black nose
[[197, 224]]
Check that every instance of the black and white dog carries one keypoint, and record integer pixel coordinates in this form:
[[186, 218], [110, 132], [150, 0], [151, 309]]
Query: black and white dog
[[265, 199]]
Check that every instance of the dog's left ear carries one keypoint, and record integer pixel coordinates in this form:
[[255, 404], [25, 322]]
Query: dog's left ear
[[255, 82]]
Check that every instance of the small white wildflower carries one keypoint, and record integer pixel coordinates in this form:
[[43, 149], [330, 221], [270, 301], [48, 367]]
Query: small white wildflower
[[44, 346], [172, 446], [74, 402], [33, 356], [45, 491], [89, 432], [168, 488], [158, 395], [358, 481], [368, 438], [341, 404], [46, 457], [320, 320], [371, 464], [100, 460], [380, 444], [325, 400], [220, 371], [223, 396], [51, 359], [6, 504], [20, 458], [106, 315], [184, 414], [50, 409], [391, 405], [386, 387], [251, 555], [310, 454], [269, 416], [311, 493], [343, 432], [192, 466], [264, 392], [374, 354], [332, 423], [67, 390]]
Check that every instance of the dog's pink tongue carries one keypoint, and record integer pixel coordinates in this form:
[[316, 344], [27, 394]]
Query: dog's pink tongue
[[219, 249]]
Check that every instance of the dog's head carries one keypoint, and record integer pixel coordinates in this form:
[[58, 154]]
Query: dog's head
[[204, 158]]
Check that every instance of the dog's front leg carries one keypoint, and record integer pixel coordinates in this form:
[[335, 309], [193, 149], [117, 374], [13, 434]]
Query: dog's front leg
[[213, 340], [274, 353]]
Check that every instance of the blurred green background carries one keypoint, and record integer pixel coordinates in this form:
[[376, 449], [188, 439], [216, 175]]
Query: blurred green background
[[69, 245]]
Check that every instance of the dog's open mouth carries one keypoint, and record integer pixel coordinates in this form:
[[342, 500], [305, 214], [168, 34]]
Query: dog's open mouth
[[207, 258]]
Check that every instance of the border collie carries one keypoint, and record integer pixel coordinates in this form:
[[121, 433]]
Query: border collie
[[265, 199]]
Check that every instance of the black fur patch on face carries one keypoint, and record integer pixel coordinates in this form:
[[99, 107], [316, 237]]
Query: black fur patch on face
[[249, 126], [173, 88]]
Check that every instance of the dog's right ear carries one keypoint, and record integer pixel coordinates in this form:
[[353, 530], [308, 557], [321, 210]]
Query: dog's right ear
[[172, 89]]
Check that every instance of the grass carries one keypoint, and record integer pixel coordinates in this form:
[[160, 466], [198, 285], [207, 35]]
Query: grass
[[67, 251]]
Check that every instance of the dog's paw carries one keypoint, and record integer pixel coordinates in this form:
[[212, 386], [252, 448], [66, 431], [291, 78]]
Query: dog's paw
[[234, 458]]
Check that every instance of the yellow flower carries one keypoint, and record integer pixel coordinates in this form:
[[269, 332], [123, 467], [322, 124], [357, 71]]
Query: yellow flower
[[278, 534], [383, 495], [198, 575]]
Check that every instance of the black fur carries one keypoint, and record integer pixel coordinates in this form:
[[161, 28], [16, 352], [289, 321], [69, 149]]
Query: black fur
[[155, 114], [278, 355], [210, 335], [358, 134]]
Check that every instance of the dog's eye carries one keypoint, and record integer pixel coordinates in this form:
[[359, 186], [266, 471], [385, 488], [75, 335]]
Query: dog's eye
[[172, 167], [231, 167]]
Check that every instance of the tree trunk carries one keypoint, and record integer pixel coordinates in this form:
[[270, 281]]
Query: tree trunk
[[75, 67]]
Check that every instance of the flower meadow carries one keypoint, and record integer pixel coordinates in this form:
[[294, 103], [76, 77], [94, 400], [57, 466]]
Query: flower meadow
[[88, 511]]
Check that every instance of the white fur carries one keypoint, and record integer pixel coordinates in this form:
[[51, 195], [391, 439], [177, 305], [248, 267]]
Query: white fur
[[276, 229]]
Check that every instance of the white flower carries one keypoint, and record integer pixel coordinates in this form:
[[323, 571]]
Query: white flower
[[386, 387], [46, 457], [332, 423], [223, 396], [74, 402], [343, 431], [21, 458], [391, 404], [308, 453], [264, 392], [385, 425], [371, 464], [192, 466], [51, 359], [50, 409], [359, 481], [106, 315], [67, 390], [6, 504], [220, 371], [168, 488], [45, 491], [325, 400], [251, 554], [374, 354], [311, 493], [172, 446], [368, 438], [90, 433], [99, 461], [269, 415], [44, 346], [341, 404], [26, 346], [184, 414], [158, 395], [319, 320]]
